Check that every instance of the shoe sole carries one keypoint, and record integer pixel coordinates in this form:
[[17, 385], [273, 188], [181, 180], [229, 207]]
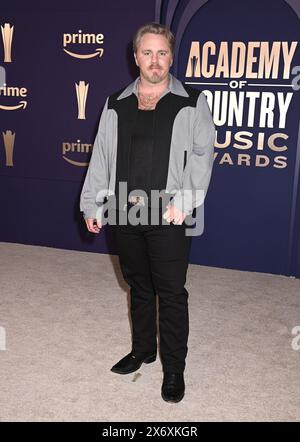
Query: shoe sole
[[145, 361], [172, 400]]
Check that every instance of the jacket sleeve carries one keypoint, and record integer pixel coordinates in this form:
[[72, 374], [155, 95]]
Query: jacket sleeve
[[96, 183], [198, 169]]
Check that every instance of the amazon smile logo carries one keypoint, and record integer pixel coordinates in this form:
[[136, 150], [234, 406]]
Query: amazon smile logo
[[84, 39], [75, 150], [11, 91]]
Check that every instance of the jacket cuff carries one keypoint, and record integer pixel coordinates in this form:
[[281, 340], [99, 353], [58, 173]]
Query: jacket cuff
[[186, 201], [93, 213]]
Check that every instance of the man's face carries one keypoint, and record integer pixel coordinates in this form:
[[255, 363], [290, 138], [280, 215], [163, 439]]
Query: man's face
[[153, 57]]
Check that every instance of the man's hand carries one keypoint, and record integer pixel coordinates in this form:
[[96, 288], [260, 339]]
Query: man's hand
[[174, 215], [91, 227]]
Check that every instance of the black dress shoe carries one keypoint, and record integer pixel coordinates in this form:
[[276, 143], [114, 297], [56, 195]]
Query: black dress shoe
[[173, 387], [132, 362]]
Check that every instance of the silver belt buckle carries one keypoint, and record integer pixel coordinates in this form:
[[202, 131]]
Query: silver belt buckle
[[137, 200]]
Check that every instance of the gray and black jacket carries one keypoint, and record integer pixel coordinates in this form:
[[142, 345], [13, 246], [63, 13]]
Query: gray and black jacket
[[183, 151]]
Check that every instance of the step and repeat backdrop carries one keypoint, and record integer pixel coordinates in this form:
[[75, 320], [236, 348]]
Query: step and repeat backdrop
[[245, 56], [59, 64]]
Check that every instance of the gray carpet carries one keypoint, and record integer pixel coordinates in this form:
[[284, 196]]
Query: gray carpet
[[65, 314]]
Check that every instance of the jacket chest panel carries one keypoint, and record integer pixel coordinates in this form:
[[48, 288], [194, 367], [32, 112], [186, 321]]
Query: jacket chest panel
[[165, 113]]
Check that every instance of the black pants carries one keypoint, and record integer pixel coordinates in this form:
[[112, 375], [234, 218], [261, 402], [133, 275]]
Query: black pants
[[154, 261]]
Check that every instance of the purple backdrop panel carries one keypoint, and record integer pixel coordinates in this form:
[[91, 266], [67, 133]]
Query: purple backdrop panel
[[54, 48], [251, 210]]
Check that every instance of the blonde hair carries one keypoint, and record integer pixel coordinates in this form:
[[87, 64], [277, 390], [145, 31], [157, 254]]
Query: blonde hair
[[153, 28]]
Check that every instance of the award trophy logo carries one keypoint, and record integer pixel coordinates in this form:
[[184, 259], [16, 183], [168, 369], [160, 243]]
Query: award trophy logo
[[9, 142], [81, 92], [7, 35]]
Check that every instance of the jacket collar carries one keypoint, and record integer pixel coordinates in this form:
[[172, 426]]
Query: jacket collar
[[175, 87]]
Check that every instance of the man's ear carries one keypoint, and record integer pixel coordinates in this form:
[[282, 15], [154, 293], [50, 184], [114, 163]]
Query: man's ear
[[135, 58]]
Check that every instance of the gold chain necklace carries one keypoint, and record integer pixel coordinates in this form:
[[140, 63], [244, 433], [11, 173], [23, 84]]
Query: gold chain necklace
[[147, 101]]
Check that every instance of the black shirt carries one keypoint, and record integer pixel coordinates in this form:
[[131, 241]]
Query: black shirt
[[141, 151]]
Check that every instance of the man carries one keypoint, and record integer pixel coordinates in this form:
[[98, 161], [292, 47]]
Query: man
[[157, 134]]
